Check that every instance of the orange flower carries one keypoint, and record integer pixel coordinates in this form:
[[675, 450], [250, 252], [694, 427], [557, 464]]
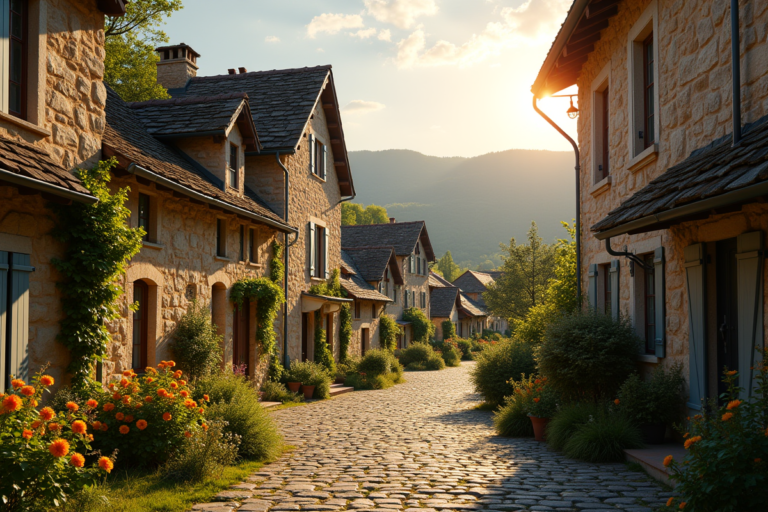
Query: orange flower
[[170, 396], [690, 442], [127, 373], [106, 464], [150, 380], [116, 396], [36, 424], [167, 416], [108, 407], [126, 400], [124, 383], [59, 448], [733, 404], [17, 383], [177, 374], [668, 461], [205, 427], [147, 398], [617, 401], [161, 364], [124, 429], [206, 398], [129, 419], [96, 425], [174, 385], [670, 501], [685, 436], [33, 402], [162, 392], [537, 381], [149, 369], [119, 416], [536, 399], [141, 424], [727, 416], [200, 410], [112, 385], [11, 403], [170, 364], [77, 460], [185, 394], [92, 403], [46, 380], [27, 391], [53, 427], [27, 434], [47, 414], [187, 434], [182, 382], [72, 406], [682, 505], [104, 427], [79, 427], [731, 373]]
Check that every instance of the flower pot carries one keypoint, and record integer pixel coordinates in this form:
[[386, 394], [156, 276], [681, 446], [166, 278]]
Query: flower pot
[[294, 386], [653, 433], [339, 380], [308, 391], [539, 428]]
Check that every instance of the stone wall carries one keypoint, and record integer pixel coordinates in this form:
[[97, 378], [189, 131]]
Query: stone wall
[[213, 154], [366, 321]]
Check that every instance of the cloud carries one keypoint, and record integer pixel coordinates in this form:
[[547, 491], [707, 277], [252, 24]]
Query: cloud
[[362, 107], [364, 33], [271, 39], [385, 35], [536, 20], [400, 13], [333, 23]]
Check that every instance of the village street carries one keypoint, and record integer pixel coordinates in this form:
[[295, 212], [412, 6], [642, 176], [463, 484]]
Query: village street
[[422, 445]]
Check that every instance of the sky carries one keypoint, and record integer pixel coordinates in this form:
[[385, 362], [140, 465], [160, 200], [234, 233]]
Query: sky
[[442, 77]]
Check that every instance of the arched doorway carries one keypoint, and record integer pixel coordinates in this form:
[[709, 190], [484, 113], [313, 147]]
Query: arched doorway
[[140, 325]]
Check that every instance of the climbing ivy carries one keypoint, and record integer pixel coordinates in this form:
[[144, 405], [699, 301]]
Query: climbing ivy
[[276, 266], [99, 243], [423, 329], [345, 333], [388, 331], [323, 355]]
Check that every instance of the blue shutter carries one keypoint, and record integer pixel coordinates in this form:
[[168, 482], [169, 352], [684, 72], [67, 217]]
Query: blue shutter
[[3, 316], [592, 288], [19, 317], [697, 343], [312, 249], [749, 280], [325, 259], [312, 162], [615, 295], [659, 287]]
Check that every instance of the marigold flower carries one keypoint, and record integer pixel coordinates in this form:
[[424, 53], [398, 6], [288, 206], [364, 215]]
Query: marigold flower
[[205, 427], [27, 391], [17, 383], [200, 410], [537, 381], [36, 424], [733, 404], [682, 505], [53, 427], [27, 434], [72, 406], [206, 398], [79, 427], [174, 385], [124, 429], [124, 383], [170, 364], [104, 427], [129, 419], [161, 392], [147, 399], [668, 461], [151, 370], [77, 460], [177, 374], [685, 436], [161, 365], [690, 442], [111, 385], [185, 394], [150, 380], [617, 401], [46, 380], [119, 416], [187, 434], [11, 403], [182, 382], [727, 416], [117, 396], [127, 373], [59, 448], [126, 400], [108, 407], [141, 424], [33, 403], [92, 403], [170, 396], [536, 399], [47, 414], [137, 405], [106, 464], [96, 425], [670, 501], [90, 437], [167, 416]]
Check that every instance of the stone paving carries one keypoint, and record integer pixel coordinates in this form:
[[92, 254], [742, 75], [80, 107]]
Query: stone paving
[[421, 447]]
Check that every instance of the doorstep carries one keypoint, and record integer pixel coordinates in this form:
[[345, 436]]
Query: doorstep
[[652, 460], [269, 405], [340, 389]]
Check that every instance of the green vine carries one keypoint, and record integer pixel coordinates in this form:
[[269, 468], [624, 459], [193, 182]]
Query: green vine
[[276, 265], [423, 328], [388, 332], [269, 297], [99, 243], [323, 353], [345, 332], [331, 288]]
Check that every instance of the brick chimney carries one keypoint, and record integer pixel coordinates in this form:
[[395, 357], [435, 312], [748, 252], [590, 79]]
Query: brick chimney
[[177, 65], [392, 220]]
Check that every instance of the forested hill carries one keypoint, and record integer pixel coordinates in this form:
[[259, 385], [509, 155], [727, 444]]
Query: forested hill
[[470, 204]]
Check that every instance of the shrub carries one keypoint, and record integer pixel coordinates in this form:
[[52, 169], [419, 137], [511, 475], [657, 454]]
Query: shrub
[[603, 439], [420, 357], [204, 455], [378, 369], [310, 373], [42, 457], [568, 420], [388, 332], [423, 328], [147, 418], [451, 357], [196, 344], [497, 365], [465, 347], [449, 330], [544, 398], [512, 419], [277, 392], [347, 367], [65, 395], [377, 362], [659, 400], [726, 466], [235, 402], [588, 354]]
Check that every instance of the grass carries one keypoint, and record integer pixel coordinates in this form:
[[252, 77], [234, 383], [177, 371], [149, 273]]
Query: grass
[[485, 406], [287, 405]]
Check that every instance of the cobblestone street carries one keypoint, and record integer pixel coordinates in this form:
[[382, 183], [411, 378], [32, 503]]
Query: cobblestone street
[[421, 445]]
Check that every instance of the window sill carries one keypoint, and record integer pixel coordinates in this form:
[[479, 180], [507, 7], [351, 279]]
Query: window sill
[[647, 358], [318, 178], [317, 279], [647, 156], [26, 125], [250, 264], [152, 245], [222, 258], [601, 186]]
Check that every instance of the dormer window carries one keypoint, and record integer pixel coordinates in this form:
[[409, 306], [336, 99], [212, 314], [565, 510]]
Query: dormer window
[[233, 165]]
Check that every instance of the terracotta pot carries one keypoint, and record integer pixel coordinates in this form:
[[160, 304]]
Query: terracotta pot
[[339, 380], [653, 433], [294, 386], [308, 391], [261, 395], [539, 428]]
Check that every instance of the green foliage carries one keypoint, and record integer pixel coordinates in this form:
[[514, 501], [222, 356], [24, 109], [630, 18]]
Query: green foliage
[[447, 268], [277, 392], [143, 17], [659, 400], [603, 439], [345, 332], [422, 327], [449, 330], [421, 357], [527, 270], [347, 367], [204, 455], [98, 243], [388, 332], [323, 354], [311, 373], [588, 355], [269, 297], [196, 345], [378, 369], [499, 364], [465, 347], [276, 265], [356, 215], [726, 466], [235, 402], [512, 420], [568, 420], [451, 357]]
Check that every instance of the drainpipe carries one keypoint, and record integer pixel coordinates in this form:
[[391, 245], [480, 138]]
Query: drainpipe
[[630, 256], [286, 358], [736, 71], [577, 168]]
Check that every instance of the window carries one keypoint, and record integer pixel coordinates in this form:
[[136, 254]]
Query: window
[[605, 166], [642, 63], [233, 165], [253, 251], [144, 215], [14, 316], [407, 297], [648, 135], [357, 309], [18, 49], [373, 311], [318, 156], [221, 238], [242, 243], [423, 300], [318, 251], [396, 298], [649, 295], [607, 298], [418, 265]]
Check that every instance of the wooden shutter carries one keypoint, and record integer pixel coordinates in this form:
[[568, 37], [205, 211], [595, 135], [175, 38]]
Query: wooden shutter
[[327, 270], [614, 277], [659, 289], [312, 248], [312, 159], [749, 276], [592, 288], [694, 276], [19, 317], [324, 167], [3, 316]]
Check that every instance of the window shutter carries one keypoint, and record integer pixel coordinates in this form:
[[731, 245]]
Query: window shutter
[[5, 66], [659, 287], [19, 317], [327, 270], [694, 273], [3, 316], [324, 168], [312, 162], [749, 276], [614, 277], [312, 248], [592, 289]]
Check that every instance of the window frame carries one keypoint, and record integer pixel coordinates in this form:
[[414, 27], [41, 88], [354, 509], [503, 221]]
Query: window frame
[[221, 238], [649, 75], [242, 243], [600, 88], [649, 317], [144, 220], [645, 26], [24, 42], [253, 249], [357, 310], [234, 170]]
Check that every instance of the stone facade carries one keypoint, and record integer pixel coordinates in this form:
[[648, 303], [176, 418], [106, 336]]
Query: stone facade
[[367, 320], [412, 283]]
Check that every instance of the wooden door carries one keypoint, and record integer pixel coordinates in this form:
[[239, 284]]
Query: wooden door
[[364, 335], [140, 326], [241, 349]]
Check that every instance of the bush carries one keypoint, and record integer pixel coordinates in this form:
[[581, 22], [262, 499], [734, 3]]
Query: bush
[[204, 455], [310, 373], [568, 420], [423, 328], [235, 402], [377, 362], [451, 357], [147, 418], [277, 392], [603, 439], [449, 330], [379, 369], [347, 367], [659, 400], [388, 332], [196, 345], [420, 357], [497, 365], [588, 355], [465, 347], [512, 419]]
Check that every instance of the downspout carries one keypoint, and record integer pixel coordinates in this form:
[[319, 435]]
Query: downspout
[[736, 72], [630, 256], [286, 358], [577, 168]]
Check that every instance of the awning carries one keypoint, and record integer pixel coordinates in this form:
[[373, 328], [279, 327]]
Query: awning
[[402, 323], [311, 302]]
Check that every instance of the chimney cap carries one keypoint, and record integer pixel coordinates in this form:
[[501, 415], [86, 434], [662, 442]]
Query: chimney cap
[[392, 220], [232, 71], [242, 70], [176, 47]]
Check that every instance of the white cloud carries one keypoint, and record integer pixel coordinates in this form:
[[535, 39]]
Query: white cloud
[[400, 13], [362, 107], [333, 23], [536, 20], [364, 33], [271, 39], [320, 50], [385, 35]]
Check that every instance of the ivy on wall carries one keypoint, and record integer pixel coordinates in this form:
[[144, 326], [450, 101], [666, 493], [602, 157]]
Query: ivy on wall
[[423, 328], [345, 333], [388, 332], [323, 354], [99, 243], [276, 265]]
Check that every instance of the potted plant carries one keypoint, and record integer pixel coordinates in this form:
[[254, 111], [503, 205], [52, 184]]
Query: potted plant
[[542, 406], [299, 373]]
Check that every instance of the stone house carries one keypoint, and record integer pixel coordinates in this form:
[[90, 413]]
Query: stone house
[[444, 305], [368, 274], [413, 251], [301, 170], [474, 284], [672, 184], [473, 318], [52, 103]]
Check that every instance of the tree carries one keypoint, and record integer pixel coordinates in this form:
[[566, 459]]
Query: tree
[[356, 215], [447, 268], [350, 213], [376, 215], [526, 272], [130, 64]]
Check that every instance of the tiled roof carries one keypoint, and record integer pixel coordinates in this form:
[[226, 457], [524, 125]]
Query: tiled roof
[[472, 281], [356, 285], [24, 159], [125, 135], [471, 307], [441, 302], [371, 262], [400, 235], [708, 172], [437, 281]]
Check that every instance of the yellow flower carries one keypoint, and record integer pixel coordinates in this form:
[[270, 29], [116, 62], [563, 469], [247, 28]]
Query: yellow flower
[[668, 461], [59, 448], [733, 404], [727, 416], [106, 464]]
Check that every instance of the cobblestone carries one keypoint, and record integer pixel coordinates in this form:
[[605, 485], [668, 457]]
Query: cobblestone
[[422, 447]]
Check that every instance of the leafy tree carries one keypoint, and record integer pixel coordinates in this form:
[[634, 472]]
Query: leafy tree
[[447, 268], [376, 215], [527, 270], [350, 212], [356, 215]]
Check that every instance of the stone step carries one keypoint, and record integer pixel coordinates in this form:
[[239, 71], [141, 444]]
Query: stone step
[[340, 389], [269, 405], [652, 460]]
